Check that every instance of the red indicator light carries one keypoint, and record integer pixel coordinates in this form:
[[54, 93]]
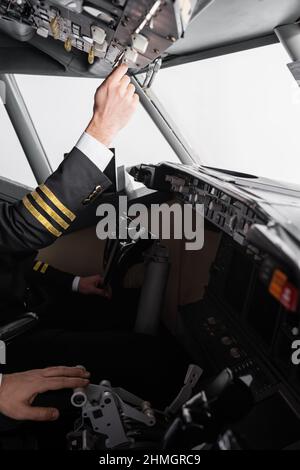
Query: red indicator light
[[290, 297]]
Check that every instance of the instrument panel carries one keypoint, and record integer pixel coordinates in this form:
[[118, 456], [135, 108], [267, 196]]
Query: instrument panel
[[231, 215], [240, 214]]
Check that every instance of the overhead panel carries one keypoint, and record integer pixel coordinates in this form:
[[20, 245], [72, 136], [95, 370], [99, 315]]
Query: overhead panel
[[135, 32]]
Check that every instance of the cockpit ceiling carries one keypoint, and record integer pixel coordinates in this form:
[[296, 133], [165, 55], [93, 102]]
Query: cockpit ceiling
[[89, 37], [226, 22]]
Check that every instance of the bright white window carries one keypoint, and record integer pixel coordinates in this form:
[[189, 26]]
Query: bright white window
[[13, 163], [240, 112], [61, 109]]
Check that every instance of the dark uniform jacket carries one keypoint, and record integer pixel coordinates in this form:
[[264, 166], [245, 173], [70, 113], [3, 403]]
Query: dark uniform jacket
[[37, 221]]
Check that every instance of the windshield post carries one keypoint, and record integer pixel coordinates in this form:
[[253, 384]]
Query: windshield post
[[25, 129], [165, 124]]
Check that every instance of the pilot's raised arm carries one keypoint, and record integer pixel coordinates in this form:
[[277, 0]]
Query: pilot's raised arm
[[46, 213], [42, 217]]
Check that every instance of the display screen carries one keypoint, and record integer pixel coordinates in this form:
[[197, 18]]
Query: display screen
[[248, 298], [263, 312], [238, 281]]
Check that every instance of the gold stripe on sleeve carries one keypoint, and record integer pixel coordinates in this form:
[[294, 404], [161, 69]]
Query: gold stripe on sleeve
[[49, 211], [40, 218], [57, 202], [44, 268], [37, 265]]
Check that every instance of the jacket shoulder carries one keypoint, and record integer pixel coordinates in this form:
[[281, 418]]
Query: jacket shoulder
[[47, 212]]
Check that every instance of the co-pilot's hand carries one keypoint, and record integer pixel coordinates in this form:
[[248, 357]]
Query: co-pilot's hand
[[91, 285], [115, 103], [18, 391]]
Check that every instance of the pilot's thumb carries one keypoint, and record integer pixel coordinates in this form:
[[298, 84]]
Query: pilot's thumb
[[97, 291], [36, 413]]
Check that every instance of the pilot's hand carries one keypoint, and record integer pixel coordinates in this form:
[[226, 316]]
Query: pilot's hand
[[115, 103], [18, 391], [91, 285]]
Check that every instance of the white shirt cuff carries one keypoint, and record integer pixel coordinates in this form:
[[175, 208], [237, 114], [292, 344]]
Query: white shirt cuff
[[75, 284], [98, 153], [1, 375]]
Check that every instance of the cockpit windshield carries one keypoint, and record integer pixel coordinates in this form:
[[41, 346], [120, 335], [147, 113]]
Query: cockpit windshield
[[240, 112]]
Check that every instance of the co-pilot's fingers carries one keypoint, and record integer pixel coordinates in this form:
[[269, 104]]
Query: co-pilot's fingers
[[35, 413], [63, 371], [59, 383]]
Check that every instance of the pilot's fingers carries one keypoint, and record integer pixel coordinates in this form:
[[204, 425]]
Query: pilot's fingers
[[117, 73], [36, 413], [98, 279], [136, 100], [59, 383], [124, 82], [63, 371], [130, 90]]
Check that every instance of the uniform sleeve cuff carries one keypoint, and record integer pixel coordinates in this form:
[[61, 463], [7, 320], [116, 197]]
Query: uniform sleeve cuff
[[98, 153], [75, 284]]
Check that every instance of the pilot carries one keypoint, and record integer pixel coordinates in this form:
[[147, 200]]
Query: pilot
[[38, 220]]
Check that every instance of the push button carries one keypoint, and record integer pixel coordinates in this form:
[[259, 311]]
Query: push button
[[226, 340], [235, 353]]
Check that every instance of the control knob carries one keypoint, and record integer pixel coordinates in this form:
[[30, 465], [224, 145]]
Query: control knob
[[226, 340], [235, 353]]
